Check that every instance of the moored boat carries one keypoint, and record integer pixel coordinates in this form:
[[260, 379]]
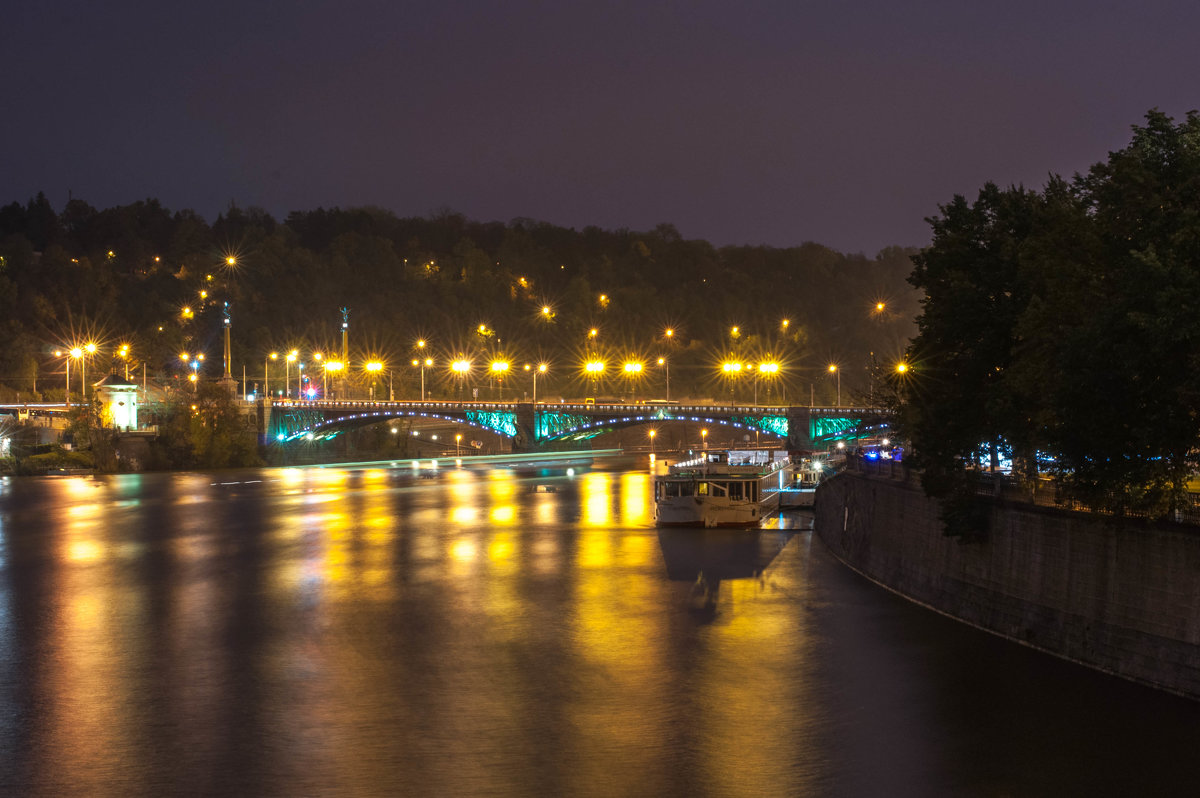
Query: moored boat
[[725, 488]]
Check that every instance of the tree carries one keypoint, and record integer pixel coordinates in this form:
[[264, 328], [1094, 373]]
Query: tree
[[975, 294], [1063, 323]]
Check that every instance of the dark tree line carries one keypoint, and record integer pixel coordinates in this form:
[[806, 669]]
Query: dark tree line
[[1060, 329], [127, 274]]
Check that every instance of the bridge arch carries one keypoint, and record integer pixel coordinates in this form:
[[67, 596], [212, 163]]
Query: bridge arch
[[315, 424], [552, 429]]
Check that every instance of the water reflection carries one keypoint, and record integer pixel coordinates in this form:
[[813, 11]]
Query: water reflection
[[462, 631]]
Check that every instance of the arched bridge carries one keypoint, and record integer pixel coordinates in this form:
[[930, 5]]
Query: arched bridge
[[533, 426]]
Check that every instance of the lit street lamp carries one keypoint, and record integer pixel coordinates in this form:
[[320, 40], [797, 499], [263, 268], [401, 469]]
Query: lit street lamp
[[633, 370], [652, 433], [833, 369], [770, 369], [541, 369], [267, 373], [373, 368], [330, 365], [422, 364], [462, 368], [732, 369], [88, 349], [594, 370], [287, 373], [662, 361], [75, 352], [499, 369]]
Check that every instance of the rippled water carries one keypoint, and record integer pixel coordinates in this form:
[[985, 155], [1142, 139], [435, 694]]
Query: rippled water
[[362, 631]]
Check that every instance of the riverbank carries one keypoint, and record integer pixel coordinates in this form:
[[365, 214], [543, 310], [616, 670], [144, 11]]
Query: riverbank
[[1121, 599]]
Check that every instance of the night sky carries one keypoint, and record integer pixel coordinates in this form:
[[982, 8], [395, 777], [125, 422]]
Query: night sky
[[741, 123]]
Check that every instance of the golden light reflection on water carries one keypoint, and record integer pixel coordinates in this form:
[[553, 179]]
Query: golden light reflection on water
[[596, 494], [635, 498], [339, 543]]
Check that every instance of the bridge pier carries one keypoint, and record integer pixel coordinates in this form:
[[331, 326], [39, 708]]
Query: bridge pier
[[799, 435], [526, 418]]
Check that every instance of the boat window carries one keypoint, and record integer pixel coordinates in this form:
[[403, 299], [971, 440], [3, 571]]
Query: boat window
[[752, 491], [735, 490], [702, 489]]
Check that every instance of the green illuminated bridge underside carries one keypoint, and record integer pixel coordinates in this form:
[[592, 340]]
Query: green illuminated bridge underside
[[535, 426]]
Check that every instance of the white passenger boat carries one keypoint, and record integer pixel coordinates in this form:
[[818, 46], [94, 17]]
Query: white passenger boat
[[727, 488]]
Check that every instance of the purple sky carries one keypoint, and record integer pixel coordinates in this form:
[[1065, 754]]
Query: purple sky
[[749, 122]]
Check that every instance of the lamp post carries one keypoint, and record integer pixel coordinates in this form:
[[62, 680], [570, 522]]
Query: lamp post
[[499, 369], [770, 368], [330, 365], [75, 352], [652, 433], [287, 372], [594, 370], [461, 367], [542, 368], [732, 369], [421, 364], [704, 439], [662, 361], [833, 369], [633, 370], [88, 349], [267, 373], [373, 368], [458, 444]]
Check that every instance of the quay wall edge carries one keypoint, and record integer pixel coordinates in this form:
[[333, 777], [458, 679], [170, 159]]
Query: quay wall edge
[[1121, 599]]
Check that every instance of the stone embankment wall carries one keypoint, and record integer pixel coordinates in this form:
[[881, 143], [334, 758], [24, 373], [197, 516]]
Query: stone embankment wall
[[1122, 599]]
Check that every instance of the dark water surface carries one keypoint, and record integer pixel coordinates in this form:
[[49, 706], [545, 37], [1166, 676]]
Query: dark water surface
[[359, 631]]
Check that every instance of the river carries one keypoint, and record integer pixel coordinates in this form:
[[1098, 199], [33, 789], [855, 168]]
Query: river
[[375, 630]]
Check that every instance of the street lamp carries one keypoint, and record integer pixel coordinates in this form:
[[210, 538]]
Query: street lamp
[[88, 349], [499, 369], [732, 369], [770, 369], [287, 373], [267, 373], [662, 361], [594, 370], [75, 352], [330, 365], [652, 433], [458, 443], [123, 353], [833, 369], [373, 368], [633, 370], [704, 438], [422, 364], [461, 367], [542, 368]]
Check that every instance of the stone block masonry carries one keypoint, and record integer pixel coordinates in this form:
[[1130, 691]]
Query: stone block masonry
[[1124, 599]]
